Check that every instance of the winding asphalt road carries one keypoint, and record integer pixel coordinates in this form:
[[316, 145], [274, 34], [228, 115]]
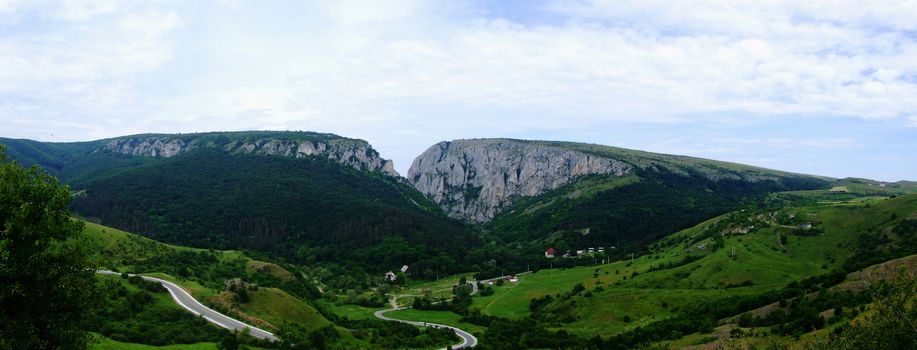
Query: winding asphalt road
[[468, 340], [186, 301]]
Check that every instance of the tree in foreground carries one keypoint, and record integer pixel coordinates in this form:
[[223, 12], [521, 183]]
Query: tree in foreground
[[46, 278]]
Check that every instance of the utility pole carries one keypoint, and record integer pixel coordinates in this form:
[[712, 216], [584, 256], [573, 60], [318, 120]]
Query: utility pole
[[631, 258]]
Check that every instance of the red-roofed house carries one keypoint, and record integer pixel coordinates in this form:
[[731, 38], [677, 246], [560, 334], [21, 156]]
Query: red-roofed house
[[549, 253]]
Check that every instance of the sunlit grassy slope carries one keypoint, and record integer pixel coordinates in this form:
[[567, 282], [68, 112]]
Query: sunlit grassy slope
[[161, 301], [770, 255], [353, 312], [123, 250], [275, 308], [720, 336], [440, 317], [108, 344]]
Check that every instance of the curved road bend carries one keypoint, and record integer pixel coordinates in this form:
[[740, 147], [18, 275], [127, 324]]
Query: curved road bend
[[468, 340], [186, 301]]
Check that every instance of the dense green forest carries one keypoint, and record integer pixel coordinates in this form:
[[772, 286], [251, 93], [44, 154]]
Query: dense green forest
[[634, 214], [306, 210]]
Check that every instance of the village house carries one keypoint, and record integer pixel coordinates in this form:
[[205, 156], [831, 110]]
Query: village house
[[549, 253]]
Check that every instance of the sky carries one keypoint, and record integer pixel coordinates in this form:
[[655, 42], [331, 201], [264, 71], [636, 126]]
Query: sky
[[817, 87]]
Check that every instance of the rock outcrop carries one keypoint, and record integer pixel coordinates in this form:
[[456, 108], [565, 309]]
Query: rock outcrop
[[473, 180], [354, 153]]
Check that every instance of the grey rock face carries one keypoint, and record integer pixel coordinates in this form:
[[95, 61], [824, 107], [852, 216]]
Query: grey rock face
[[354, 153], [474, 180]]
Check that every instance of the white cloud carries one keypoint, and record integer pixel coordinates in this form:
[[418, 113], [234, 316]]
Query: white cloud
[[407, 73], [746, 17], [352, 12], [7, 6], [912, 121], [82, 10]]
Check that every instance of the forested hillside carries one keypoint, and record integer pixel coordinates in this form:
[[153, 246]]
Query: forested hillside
[[306, 197], [307, 210], [627, 213]]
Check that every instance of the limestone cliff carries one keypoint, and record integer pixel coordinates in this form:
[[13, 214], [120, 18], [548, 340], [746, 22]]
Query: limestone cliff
[[474, 180], [351, 152]]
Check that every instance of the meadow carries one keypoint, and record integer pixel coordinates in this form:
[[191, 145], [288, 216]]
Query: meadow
[[623, 295]]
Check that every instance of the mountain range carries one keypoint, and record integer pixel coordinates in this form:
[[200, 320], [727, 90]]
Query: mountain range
[[294, 231], [316, 197]]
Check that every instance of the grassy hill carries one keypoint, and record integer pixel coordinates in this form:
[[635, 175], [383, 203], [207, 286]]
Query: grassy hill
[[136, 311], [203, 273], [108, 344], [281, 301], [127, 252], [722, 267]]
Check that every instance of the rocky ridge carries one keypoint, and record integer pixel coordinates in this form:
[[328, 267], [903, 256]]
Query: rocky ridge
[[474, 180], [354, 153]]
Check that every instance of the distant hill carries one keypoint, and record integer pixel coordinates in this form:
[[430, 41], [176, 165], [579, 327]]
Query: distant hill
[[308, 197], [74, 162]]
